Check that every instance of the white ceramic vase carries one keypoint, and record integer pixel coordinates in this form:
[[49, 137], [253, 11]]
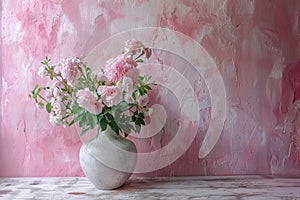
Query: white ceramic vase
[[108, 160]]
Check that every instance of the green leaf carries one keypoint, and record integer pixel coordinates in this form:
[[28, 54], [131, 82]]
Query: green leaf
[[130, 126], [140, 60], [140, 80], [114, 127], [76, 119], [65, 98], [103, 124], [105, 109], [35, 87], [48, 107], [141, 115], [137, 128], [117, 116], [126, 129], [40, 104], [141, 121], [123, 106], [80, 69], [63, 89], [142, 91], [92, 120], [137, 123], [77, 110], [115, 110], [82, 121], [84, 131], [134, 95], [109, 117], [133, 118], [147, 87], [39, 90]]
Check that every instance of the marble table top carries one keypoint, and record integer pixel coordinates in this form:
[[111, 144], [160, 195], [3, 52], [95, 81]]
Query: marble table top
[[221, 188]]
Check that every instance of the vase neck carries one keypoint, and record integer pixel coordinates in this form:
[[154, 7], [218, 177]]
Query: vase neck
[[110, 133]]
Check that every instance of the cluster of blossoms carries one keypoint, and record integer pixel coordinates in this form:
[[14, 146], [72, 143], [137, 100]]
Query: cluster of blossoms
[[116, 96]]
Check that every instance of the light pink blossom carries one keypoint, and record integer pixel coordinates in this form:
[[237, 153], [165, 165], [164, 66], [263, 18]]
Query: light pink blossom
[[118, 69], [128, 98], [42, 72], [55, 120], [87, 100], [149, 112], [56, 92], [111, 95], [56, 83], [58, 108], [133, 45], [75, 62], [69, 70], [127, 85], [134, 75], [101, 77], [142, 100], [95, 108], [57, 69], [48, 95]]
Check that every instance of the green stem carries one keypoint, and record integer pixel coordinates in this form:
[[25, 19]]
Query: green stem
[[140, 55], [56, 77], [42, 98]]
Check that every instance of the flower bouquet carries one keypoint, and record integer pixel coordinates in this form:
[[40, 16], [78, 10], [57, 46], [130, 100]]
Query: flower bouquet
[[115, 97]]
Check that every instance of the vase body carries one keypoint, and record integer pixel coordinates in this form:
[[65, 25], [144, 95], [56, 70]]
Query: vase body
[[108, 160]]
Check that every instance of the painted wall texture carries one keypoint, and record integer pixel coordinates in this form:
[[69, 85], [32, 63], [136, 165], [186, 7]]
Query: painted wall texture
[[254, 43]]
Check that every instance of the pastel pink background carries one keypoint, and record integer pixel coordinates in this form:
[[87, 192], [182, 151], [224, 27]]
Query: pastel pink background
[[255, 44]]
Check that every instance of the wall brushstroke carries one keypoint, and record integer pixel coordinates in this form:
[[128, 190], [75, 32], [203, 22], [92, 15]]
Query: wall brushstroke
[[255, 44]]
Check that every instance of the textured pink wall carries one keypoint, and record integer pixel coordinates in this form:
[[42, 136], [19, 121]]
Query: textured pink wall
[[255, 44]]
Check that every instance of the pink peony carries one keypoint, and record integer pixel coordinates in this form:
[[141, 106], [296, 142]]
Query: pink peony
[[133, 45], [111, 95], [118, 69], [87, 100], [69, 70]]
